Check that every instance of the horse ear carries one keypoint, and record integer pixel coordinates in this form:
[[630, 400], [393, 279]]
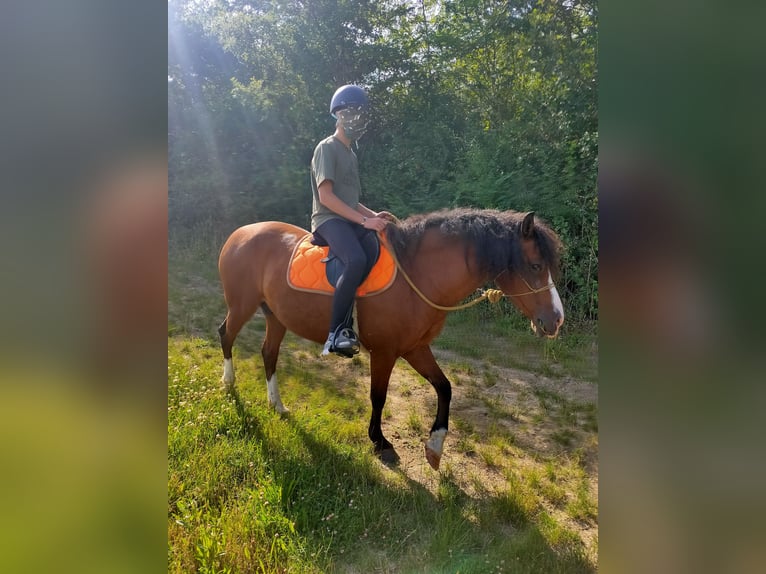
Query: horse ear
[[528, 225]]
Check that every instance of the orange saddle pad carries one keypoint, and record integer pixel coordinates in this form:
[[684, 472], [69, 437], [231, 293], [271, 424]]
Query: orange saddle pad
[[306, 271]]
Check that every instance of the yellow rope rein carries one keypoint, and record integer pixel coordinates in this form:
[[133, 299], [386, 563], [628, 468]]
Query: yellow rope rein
[[493, 295]]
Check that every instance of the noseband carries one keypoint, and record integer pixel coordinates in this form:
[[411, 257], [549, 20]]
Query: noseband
[[532, 290]]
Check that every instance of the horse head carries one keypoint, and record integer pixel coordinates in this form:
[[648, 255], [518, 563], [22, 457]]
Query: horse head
[[529, 280]]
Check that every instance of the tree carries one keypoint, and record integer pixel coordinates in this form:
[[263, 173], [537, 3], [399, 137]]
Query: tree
[[475, 102]]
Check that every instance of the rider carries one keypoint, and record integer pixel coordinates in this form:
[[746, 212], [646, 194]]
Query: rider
[[337, 216]]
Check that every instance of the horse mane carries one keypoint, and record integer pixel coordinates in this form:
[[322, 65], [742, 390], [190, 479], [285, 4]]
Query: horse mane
[[493, 234]]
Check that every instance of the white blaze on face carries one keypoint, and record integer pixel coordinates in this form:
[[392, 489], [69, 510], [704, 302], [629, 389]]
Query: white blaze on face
[[555, 299], [228, 372]]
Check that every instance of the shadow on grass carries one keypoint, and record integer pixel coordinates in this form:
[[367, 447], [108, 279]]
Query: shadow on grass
[[346, 511]]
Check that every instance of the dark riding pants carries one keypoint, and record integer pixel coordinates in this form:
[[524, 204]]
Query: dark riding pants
[[345, 241]]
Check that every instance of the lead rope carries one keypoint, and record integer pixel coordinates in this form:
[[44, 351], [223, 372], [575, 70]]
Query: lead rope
[[493, 295]]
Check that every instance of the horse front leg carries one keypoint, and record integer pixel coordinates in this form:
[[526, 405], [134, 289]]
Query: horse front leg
[[423, 361], [380, 374]]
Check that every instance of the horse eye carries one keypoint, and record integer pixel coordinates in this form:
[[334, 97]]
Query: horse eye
[[536, 267]]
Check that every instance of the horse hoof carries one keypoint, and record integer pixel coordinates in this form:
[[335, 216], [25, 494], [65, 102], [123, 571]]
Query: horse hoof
[[282, 411], [433, 458], [388, 456]]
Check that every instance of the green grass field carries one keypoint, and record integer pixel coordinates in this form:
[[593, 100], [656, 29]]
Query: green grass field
[[250, 491]]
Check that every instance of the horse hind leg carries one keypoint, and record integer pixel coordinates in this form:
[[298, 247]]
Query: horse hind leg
[[275, 332], [228, 366], [227, 332]]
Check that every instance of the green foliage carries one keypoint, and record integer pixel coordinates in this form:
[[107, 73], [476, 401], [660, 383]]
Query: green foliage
[[486, 103]]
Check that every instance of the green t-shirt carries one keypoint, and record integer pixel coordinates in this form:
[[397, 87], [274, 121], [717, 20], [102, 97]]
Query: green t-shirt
[[334, 161]]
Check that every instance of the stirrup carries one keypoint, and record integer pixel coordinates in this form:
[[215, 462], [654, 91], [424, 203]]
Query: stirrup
[[346, 339], [344, 343]]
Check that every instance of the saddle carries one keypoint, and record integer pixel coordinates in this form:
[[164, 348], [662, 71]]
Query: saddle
[[315, 269]]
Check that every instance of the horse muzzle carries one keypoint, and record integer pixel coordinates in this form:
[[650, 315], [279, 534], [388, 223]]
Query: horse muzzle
[[547, 327]]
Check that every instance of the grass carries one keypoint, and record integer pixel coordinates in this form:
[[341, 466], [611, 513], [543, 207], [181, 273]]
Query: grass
[[415, 422], [250, 491], [501, 336]]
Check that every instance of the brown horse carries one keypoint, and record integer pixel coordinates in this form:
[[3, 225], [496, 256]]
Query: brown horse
[[447, 255]]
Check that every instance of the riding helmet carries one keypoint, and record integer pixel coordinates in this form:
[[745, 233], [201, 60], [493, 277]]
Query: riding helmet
[[348, 95]]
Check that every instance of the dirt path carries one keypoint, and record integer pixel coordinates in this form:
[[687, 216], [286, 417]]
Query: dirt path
[[504, 423]]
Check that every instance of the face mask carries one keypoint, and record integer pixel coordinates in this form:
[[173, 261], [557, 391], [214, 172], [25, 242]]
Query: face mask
[[354, 122]]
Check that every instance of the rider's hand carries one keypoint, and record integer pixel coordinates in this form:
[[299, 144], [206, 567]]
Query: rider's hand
[[376, 223], [385, 215]]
